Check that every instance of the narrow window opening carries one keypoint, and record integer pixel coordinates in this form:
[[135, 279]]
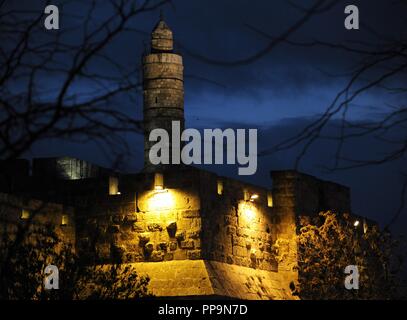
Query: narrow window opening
[[269, 199], [220, 187], [64, 220], [25, 214], [113, 186]]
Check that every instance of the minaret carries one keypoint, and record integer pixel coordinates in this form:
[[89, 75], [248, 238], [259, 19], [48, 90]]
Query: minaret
[[163, 86]]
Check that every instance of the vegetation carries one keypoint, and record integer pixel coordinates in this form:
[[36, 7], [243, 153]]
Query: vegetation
[[23, 261], [330, 243]]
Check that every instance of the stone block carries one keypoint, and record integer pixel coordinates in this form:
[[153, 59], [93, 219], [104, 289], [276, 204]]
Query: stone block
[[191, 214], [153, 227], [230, 220], [130, 218], [243, 232], [172, 229], [187, 244], [238, 241], [169, 256], [102, 250], [117, 251], [162, 246], [149, 247], [138, 227], [117, 219], [194, 254], [144, 238], [157, 256], [248, 244], [180, 255], [132, 247], [113, 228], [173, 245], [231, 230], [197, 243], [253, 255], [239, 251], [193, 234], [180, 236]]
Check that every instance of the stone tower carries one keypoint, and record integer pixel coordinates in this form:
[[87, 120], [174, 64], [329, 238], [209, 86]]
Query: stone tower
[[163, 89]]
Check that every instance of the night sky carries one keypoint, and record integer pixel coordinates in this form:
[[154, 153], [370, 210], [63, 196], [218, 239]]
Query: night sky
[[279, 94]]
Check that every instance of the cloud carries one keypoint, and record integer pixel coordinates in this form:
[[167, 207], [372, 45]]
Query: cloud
[[375, 190]]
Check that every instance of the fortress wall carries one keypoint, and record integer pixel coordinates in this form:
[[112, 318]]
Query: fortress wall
[[234, 241], [14, 174], [143, 224], [67, 168], [36, 214], [296, 194], [190, 221], [236, 230], [308, 195], [199, 278]]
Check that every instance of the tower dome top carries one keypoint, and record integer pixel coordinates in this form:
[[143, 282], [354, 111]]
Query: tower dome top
[[161, 37]]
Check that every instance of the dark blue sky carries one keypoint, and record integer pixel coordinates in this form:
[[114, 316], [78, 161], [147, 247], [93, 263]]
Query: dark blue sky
[[279, 94]]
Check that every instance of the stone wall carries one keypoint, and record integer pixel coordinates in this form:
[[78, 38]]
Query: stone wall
[[308, 195], [66, 168], [198, 220], [19, 211], [190, 221], [186, 220], [189, 278], [235, 229], [143, 224], [298, 195], [13, 174]]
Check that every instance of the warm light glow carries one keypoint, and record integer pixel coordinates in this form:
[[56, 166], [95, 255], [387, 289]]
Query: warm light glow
[[118, 193], [161, 200], [113, 186], [269, 199], [220, 187], [158, 181], [65, 220], [248, 213], [25, 214], [356, 223], [254, 197]]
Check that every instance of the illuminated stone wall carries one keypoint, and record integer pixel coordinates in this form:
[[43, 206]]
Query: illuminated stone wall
[[186, 278], [237, 230], [143, 224], [298, 195], [186, 220], [238, 245], [241, 248]]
